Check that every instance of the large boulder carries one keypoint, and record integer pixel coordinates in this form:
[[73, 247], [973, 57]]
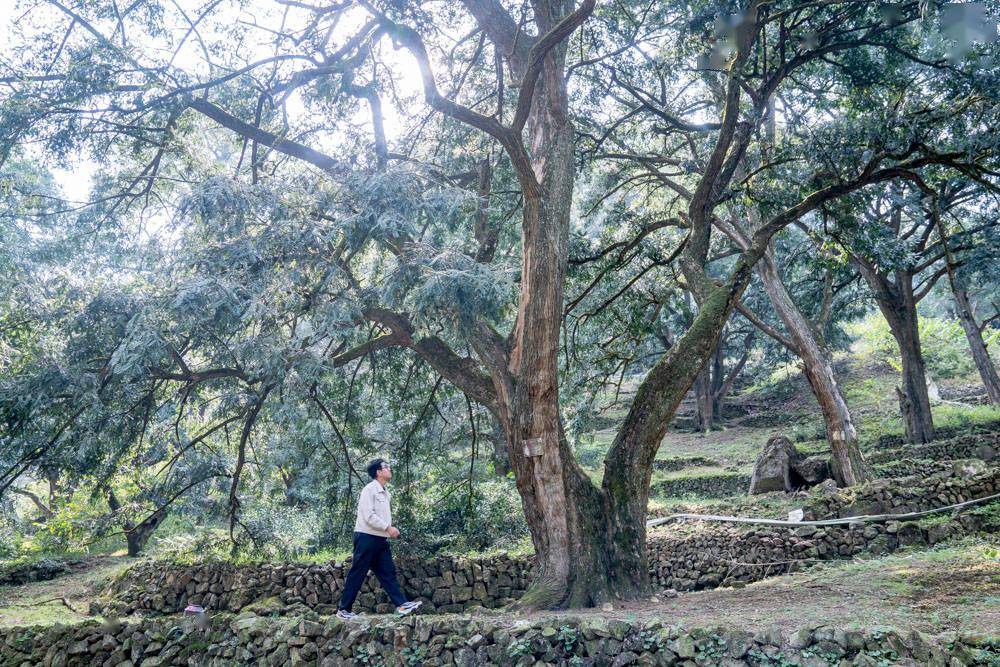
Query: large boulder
[[812, 470], [772, 470], [781, 467]]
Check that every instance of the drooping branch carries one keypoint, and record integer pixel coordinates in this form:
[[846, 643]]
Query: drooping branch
[[15, 470], [42, 507], [338, 433], [248, 425], [194, 377]]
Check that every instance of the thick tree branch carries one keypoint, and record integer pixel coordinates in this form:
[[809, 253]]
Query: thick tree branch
[[511, 141], [501, 29], [286, 146], [42, 507], [536, 58], [766, 328], [463, 372]]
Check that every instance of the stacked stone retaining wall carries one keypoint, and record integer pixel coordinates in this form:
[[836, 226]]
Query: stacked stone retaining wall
[[960, 483], [683, 557], [676, 463], [970, 445], [699, 556], [711, 485], [428, 641], [444, 584]]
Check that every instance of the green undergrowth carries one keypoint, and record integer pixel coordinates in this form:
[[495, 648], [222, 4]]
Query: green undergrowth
[[981, 552], [700, 472], [11, 566], [764, 506]]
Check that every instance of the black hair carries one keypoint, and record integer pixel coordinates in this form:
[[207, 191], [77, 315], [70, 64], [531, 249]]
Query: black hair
[[374, 467]]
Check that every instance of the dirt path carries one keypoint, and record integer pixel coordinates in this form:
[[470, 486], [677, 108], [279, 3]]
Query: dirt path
[[957, 588]]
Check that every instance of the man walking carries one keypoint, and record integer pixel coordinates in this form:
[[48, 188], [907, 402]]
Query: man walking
[[372, 531]]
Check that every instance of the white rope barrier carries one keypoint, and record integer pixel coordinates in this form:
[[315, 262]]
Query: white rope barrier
[[865, 518]]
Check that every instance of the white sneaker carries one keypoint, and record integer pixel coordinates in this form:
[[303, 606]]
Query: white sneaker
[[346, 615], [408, 608]]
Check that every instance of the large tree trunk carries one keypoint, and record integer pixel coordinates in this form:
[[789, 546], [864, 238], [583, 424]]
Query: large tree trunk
[[704, 414], [137, 535], [849, 466], [583, 556], [898, 305], [717, 387], [973, 334], [915, 402], [567, 515], [136, 538], [589, 542], [710, 389]]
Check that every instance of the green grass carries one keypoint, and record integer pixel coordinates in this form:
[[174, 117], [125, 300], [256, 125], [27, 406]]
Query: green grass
[[951, 415], [767, 506], [699, 472], [40, 603]]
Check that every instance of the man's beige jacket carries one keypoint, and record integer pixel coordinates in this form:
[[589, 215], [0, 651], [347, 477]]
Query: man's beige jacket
[[374, 516]]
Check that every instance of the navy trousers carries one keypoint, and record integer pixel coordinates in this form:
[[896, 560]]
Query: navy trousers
[[371, 552]]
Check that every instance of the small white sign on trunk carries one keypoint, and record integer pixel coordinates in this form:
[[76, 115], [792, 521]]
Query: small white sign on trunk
[[534, 446]]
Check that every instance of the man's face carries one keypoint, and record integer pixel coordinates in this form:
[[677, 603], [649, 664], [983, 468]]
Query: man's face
[[385, 473]]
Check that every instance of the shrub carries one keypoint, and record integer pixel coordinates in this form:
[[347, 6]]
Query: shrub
[[494, 517], [946, 351]]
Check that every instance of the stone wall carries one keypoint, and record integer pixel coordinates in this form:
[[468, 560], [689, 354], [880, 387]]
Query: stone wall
[[675, 463], [963, 481], [984, 446], [710, 485], [42, 569], [907, 467], [445, 584], [247, 639], [683, 557], [697, 556]]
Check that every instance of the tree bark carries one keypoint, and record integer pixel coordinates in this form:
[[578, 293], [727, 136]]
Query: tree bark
[[566, 514], [849, 466], [966, 316], [915, 404], [973, 334], [717, 386], [704, 404], [898, 304], [137, 535]]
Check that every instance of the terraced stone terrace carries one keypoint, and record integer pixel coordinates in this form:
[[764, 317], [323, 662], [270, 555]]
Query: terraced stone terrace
[[921, 591]]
